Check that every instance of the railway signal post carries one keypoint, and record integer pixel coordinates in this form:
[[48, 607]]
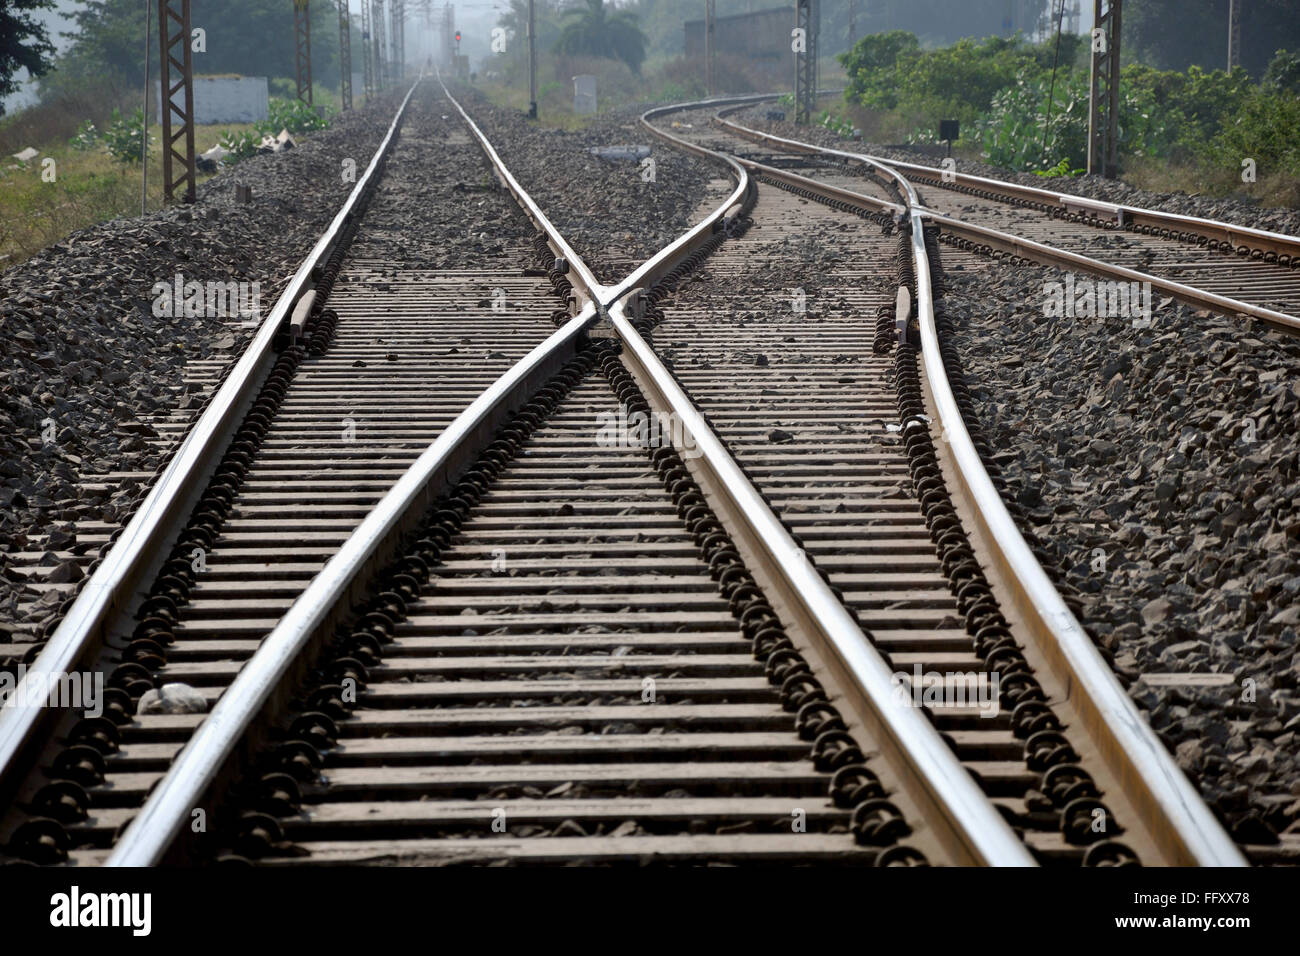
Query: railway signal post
[[709, 86], [1234, 33], [532, 61], [367, 57], [377, 25]]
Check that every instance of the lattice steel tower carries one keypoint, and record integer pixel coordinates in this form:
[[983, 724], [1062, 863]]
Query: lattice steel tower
[[177, 77], [807, 20], [1103, 101], [302, 48], [345, 55]]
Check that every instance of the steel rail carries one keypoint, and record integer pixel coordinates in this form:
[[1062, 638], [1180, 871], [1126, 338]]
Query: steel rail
[[1213, 229], [964, 821], [115, 586], [257, 692], [1050, 255], [199, 765], [1180, 823], [1178, 820], [1030, 249], [594, 290]]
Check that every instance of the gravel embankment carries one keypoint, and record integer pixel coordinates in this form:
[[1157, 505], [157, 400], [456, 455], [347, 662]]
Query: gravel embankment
[[1285, 221], [609, 213], [1159, 468], [84, 362]]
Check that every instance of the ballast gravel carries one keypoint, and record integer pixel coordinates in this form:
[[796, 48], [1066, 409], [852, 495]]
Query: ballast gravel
[[615, 212], [1159, 468]]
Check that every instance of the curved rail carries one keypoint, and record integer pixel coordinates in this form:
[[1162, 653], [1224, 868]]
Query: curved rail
[[970, 828], [147, 539], [1041, 252], [1215, 230], [1184, 827], [966, 824]]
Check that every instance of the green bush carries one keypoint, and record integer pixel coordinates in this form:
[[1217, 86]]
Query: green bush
[[86, 137], [124, 136], [293, 115], [1011, 132], [839, 127], [1284, 72], [241, 145], [1263, 129], [998, 89], [871, 63]]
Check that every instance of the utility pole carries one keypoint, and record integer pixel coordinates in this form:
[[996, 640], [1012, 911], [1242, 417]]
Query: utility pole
[[448, 38], [709, 86], [1103, 98], [1234, 34], [367, 55], [532, 61], [807, 19], [395, 13], [345, 55], [377, 21], [302, 48], [144, 123], [853, 27], [176, 75]]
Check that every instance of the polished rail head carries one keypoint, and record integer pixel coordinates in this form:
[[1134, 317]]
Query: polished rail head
[[1210, 227], [146, 537], [1224, 230], [590, 287], [1041, 252]]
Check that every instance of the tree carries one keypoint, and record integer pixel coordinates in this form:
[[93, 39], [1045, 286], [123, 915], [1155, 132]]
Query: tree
[[24, 44], [596, 33], [1284, 72]]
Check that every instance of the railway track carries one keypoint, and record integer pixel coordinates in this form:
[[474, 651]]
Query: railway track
[[517, 633], [400, 350], [1227, 268]]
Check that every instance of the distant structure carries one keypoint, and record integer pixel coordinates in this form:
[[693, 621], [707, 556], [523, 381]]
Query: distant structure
[[761, 39]]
